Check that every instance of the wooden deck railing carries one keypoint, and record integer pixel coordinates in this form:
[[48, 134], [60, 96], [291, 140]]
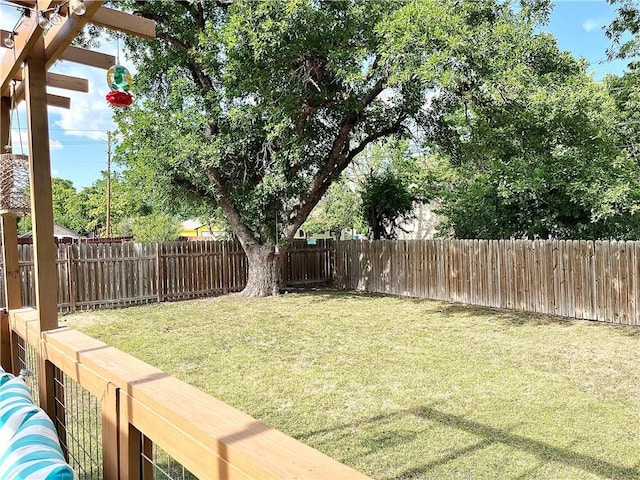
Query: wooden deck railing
[[142, 404]]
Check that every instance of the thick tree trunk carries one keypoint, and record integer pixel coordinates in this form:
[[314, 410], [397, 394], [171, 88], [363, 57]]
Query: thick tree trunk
[[264, 271]]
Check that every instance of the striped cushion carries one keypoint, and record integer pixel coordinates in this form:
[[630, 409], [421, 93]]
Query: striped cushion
[[29, 448]]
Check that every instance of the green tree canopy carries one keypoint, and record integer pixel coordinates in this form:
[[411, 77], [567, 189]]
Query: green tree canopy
[[338, 210], [547, 160], [259, 106], [625, 29], [386, 203], [68, 210]]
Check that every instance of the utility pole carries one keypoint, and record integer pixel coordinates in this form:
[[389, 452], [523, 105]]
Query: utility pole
[[108, 184]]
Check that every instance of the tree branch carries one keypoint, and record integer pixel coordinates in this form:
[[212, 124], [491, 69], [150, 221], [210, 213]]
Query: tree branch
[[335, 166], [234, 218], [185, 184]]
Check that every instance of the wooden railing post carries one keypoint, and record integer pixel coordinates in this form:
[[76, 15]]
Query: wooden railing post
[[129, 442], [46, 385], [60, 418], [110, 433], [5, 342], [12, 283]]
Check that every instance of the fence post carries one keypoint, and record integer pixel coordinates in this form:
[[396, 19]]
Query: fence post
[[71, 278], [225, 269], [159, 272]]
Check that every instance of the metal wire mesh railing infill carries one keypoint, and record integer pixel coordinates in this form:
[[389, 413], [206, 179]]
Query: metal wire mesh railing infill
[[159, 465], [78, 419], [28, 361]]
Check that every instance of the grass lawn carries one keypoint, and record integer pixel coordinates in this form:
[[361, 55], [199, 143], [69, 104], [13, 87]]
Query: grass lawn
[[402, 388]]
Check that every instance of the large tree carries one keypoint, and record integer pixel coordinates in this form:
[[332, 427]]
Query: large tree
[[624, 30], [258, 106], [549, 161]]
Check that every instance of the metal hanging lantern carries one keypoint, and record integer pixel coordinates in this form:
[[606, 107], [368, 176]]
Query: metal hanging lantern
[[14, 184], [14, 173]]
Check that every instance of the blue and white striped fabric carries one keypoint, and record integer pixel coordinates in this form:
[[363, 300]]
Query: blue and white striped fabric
[[29, 448]]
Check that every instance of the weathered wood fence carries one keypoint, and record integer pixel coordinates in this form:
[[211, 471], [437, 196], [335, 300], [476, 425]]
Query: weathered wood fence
[[581, 279], [116, 275]]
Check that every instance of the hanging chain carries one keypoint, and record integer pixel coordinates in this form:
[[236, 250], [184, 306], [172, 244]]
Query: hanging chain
[[14, 109]]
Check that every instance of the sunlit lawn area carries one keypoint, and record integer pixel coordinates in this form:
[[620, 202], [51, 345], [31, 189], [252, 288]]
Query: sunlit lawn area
[[402, 388]]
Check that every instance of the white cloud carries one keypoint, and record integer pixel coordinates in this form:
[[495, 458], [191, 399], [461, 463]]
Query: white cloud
[[90, 116], [592, 24], [55, 145]]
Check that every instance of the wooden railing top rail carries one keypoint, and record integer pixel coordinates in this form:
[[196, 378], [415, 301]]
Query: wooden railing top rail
[[210, 438]]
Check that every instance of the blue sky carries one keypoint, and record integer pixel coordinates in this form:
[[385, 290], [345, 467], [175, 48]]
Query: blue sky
[[78, 136]]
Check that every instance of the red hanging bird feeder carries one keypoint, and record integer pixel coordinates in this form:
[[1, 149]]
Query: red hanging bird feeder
[[120, 83], [119, 99]]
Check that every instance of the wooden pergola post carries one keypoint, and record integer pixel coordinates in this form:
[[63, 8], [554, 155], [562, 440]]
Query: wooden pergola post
[[27, 61], [11, 272], [46, 282]]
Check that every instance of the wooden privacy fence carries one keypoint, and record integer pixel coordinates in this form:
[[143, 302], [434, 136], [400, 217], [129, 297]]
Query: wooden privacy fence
[[116, 275], [582, 279]]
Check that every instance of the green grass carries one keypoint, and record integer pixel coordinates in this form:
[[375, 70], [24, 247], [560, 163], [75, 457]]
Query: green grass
[[402, 388]]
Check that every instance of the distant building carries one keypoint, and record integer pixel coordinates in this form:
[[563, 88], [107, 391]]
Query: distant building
[[423, 226], [59, 232], [195, 228]]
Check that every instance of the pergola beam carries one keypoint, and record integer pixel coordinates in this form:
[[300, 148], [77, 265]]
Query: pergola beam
[[113, 20], [56, 80], [124, 22], [58, 101], [59, 37], [67, 82], [24, 3], [87, 57], [28, 33]]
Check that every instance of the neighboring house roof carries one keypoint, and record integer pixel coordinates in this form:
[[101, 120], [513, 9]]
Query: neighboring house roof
[[58, 232], [191, 224]]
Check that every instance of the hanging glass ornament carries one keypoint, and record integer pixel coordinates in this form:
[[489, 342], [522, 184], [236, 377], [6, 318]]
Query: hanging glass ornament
[[120, 82]]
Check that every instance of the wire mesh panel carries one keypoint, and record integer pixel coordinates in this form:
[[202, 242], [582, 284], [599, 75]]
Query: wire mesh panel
[[78, 419], [158, 465], [14, 184], [28, 360]]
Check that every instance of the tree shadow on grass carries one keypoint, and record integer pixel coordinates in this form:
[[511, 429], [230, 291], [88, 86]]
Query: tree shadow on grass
[[543, 451], [509, 317], [500, 315], [487, 436]]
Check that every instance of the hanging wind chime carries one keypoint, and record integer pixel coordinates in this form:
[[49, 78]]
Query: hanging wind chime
[[120, 83]]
